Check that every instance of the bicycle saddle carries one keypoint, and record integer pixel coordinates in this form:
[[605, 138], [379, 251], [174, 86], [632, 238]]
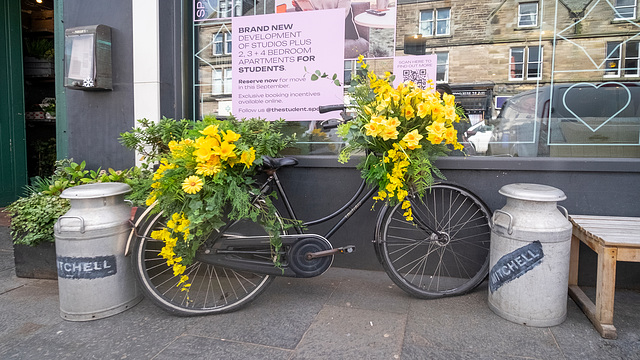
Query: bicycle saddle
[[269, 163]]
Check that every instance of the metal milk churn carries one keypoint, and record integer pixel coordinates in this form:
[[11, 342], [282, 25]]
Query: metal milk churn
[[529, 258], [95, 280]]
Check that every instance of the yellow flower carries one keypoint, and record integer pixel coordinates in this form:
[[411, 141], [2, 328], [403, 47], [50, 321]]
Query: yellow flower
[[434, 138], [451, 135], [192, 184], [231, 136], [406, 204], [373, 129], [151, 199], [210, 130], [389, 133], [408, 112], [183, 279], [225, 150], [178, 269], [408, 215], [209, 168], [401, 195], [381, 195], [437, 128], [248, 157], [412, 139], [448, 100], [360, 58]]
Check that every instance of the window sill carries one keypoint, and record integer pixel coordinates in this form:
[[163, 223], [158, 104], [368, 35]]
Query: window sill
[[622, 21], [525, 28], [623, 165]]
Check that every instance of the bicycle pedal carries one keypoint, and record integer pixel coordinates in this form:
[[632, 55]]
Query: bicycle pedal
[[347, 249]]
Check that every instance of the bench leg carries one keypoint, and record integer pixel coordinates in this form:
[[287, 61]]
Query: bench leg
[[606, 288], [601, 313], [574, 260]]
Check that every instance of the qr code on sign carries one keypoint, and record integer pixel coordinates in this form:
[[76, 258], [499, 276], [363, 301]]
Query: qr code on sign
[[419, 77]]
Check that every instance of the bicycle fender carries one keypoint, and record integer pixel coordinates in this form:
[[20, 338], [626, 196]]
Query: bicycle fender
[[134, 228], [377, 242]]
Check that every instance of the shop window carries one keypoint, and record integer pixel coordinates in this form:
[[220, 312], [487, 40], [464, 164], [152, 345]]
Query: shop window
[[528, 14], [625, 9], [525, 63], [618, 53], [442, 69], [434, 22], [221, 81]]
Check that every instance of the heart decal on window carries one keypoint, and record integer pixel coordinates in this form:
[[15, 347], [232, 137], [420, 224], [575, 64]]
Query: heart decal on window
[[599, 97]]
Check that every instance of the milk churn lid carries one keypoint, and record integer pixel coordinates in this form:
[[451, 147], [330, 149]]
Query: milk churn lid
[[532, 192], [97, 190]]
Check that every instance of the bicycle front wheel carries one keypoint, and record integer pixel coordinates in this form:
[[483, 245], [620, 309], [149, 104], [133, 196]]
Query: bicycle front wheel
[[213, 289], [444, 251]]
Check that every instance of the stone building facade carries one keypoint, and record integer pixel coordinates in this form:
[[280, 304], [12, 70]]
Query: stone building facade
[[579, 41]]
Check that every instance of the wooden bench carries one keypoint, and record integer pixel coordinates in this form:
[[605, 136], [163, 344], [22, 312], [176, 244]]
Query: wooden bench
[[613, 239]]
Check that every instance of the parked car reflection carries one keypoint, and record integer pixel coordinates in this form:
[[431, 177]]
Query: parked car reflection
[[570, 120]]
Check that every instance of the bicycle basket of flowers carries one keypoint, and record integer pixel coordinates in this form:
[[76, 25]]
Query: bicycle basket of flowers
[[207, 178], [402, 130]]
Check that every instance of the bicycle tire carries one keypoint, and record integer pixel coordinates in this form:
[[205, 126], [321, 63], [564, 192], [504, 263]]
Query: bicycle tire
[[213, 290], [454, 264]]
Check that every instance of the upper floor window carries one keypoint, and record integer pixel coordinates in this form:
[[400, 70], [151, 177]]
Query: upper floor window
[[619, 53], [221, 81], [434, 22], [442, 67], [525, 63], [222, 43], [625, 9], [528, 14]]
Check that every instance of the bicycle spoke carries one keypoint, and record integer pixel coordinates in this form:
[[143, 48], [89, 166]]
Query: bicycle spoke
[[450, 261]]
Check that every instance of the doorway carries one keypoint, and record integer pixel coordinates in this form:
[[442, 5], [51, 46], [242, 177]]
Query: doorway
[[39, 86]]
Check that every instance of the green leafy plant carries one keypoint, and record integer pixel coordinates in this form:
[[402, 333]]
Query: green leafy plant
[[205, 178], [402, 130], [151, 139], [40, 48], [33, 217]]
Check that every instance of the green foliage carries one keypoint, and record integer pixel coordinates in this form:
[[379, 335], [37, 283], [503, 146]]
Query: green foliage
[[402, 130], [265, 136], [33, 217], [224, 185], [40, 48], [152, 139]]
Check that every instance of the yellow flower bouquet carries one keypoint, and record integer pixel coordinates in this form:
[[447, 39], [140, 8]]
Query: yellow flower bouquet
[[207, 179], [402, 130]]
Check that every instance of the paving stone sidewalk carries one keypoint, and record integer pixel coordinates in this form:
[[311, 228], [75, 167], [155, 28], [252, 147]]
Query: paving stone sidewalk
[[343, 314]]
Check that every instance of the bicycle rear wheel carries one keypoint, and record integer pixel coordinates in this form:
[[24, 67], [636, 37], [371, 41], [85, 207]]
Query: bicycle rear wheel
[[451, 261], [213, 290]]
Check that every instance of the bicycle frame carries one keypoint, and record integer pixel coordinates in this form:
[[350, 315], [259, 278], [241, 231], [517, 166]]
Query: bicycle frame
[[353, 205]]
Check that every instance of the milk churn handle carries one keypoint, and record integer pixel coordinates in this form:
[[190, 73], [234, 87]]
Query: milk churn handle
[[510, 228], [564, 210], [71, 217]]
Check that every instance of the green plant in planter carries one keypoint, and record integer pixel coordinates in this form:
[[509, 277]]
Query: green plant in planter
[[40, 48], [33, 217]]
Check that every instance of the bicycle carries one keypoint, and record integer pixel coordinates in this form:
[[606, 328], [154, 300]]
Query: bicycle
[[444, 251]]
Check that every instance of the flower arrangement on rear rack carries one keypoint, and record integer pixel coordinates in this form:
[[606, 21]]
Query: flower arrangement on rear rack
[[206, 179], [402, 130]]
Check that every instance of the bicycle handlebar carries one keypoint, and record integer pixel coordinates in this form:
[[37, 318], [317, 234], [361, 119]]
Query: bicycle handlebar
[[327, 108]]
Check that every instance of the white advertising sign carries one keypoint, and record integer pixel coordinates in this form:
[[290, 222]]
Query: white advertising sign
[[273, 58]]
